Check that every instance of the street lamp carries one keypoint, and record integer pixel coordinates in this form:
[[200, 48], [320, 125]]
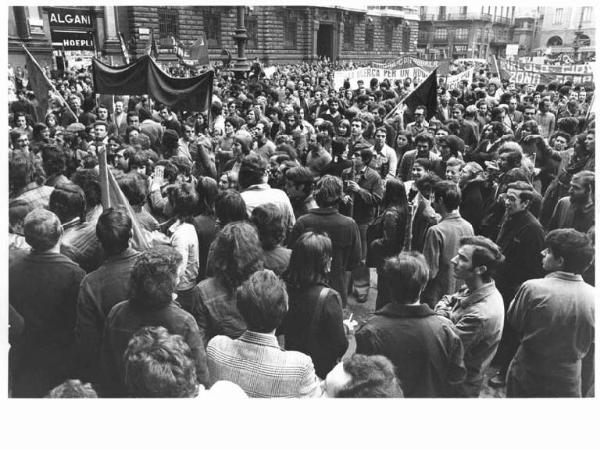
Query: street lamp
[[240, 66]]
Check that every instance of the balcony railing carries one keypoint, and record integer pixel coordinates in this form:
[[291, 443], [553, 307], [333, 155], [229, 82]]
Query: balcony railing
[[459, 16]]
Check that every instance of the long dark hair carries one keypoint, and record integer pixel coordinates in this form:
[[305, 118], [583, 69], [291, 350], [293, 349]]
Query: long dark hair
[[311, 254], [395, 194]]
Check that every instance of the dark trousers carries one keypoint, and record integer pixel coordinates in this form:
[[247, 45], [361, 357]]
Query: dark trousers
[[361, 275]]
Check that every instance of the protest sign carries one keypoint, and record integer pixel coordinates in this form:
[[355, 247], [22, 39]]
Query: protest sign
[[367, 73]]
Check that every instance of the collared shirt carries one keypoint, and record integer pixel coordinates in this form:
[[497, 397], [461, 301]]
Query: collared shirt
[[554, 318], [479, 320], [35, 196], [385, 157], [255, 362]]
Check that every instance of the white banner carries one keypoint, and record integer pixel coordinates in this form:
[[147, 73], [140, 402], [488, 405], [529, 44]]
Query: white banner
[[269, 71], [454, 81], [367, 73]]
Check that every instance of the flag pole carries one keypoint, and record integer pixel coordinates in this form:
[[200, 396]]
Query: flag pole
[[401, 102], [48, 81]]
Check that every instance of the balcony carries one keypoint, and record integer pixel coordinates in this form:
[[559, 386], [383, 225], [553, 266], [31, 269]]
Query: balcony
[[502, 20], [467, 16]]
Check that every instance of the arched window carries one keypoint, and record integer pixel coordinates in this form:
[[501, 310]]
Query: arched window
[[554, 41], [584, 40]]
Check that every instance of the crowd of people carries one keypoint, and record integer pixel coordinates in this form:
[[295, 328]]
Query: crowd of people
[[271, 216]]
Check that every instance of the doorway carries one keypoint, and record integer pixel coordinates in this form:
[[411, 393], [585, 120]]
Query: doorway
[[325, 41]]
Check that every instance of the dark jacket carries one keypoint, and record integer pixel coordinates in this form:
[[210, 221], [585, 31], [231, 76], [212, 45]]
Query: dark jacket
[[122, 323], [424, 348], [43, 289], [472, 203], [521, 240], [100, 290], [345, 241], [328, 342], [368, 197]]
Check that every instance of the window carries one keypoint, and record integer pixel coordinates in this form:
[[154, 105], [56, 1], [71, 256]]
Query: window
[[348, 35], [406, 39], [440, 34], [442, 13], [478, 35], [587, 14], [369, 37], [168, 23], [212, 28], [463, 10], [252, 32], [389, 35], [289, 31], [558, 16], [461, 34]]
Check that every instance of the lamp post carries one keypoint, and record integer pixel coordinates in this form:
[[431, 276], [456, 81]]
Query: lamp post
[[240, 66], [577, 41]]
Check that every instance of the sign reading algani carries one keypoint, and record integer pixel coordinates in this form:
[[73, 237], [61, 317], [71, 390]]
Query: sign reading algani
[[70, 18]]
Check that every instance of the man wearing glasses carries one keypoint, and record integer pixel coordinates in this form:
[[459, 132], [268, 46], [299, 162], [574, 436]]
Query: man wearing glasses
[[420, 124]]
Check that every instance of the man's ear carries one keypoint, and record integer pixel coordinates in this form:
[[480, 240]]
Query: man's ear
[[480, 269]]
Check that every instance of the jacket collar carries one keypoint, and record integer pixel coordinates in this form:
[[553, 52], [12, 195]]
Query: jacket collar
[[252, 337], [477, 295], [258, 187], [394, 309], [325, 211], [565, 276]]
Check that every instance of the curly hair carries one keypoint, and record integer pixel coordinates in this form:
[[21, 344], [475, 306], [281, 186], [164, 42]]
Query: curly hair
[[159, 364], [370, 377], [73, 389], [154, 277], [235, 253], [89, 181]]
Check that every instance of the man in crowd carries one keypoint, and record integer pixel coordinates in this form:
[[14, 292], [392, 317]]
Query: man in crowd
[[476, 309], [554, 319], [424, 347], [577, 209]]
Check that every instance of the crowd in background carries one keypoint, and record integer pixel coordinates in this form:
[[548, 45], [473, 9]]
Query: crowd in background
[[272, 215]]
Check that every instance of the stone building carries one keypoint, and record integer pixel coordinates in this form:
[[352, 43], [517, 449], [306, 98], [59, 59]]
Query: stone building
[[276, 34], [566, 30]]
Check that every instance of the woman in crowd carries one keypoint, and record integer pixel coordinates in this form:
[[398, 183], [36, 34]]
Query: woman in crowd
[[268, 219], [313, 324]]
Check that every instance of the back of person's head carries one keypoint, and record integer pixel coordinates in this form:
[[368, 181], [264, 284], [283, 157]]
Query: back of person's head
[[328, 191], [370, 377], [20, 171], [366, 154], [53, 159], [67, 201], [42, 229], [185, 201], [252, 170], [207, 191], [114, 230], [262, 301], [73, 389], [310, 261], [268, 219], [574, 247], [154, 277], [159, 365], [301, 175], [426, 183], [89, 181], [486, 255], [134, 186], [230, 207], [395, 193], [448, 193], [235, 253], [405, 276]]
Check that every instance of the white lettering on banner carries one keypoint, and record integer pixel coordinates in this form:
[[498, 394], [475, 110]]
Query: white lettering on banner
[[453, 81], [77, 43]]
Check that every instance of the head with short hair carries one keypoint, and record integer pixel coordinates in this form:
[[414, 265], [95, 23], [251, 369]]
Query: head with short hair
[[42, 229], [328, 191], [301, 178], [366, 376], [73, 389], [89, 181], [571, 251], [185, 201], [486, 256], [67, 201], [405, 276], [252, 171], [262, 301], [426, 183], [134, 187], [269, 221], [20, 171], [235, 253], [159, 365], [447, 194], [310, 261], [114, 230], [510, 155], [424, 138], [230, 207], [154, 277]]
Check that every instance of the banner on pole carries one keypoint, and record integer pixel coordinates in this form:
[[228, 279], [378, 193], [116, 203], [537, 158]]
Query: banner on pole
[[543, 74], [367, 73]]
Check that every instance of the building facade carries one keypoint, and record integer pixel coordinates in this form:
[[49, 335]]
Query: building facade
[[464, 31], [568, 31], [276, 34]]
